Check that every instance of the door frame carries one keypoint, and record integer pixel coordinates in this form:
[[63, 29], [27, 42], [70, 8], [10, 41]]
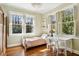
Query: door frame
[[2, 15]]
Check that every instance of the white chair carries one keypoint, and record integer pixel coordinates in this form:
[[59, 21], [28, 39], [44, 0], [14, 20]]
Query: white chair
[[55, 44], [49, 42], [60, 44]]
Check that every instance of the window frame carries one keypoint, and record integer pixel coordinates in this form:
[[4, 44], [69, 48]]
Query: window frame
[[23, 23], [15, 24], [10, 22], [31, 24], [61, 22]]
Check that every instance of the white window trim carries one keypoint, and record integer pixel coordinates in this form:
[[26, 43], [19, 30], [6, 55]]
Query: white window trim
[[10, 22], [74, 20], [23, 24], [27, 15]]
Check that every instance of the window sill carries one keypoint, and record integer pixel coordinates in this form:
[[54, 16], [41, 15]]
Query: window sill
[[22, 34], [15, 34], [66, 35]]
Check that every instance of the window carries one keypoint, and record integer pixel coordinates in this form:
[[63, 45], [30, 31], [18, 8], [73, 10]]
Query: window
[[29, 24], [53, 22], [68, 21], [20, 23], [16, 24]]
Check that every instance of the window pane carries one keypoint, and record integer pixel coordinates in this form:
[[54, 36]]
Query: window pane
[[16, 19], [68, 28], [16, 29], [68, 15], [53, 19], [29, 23], [28, 28], [29, 20]]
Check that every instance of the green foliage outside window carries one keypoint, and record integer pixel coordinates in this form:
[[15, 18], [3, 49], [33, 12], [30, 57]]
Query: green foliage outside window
[[28, 28], [67, 22], [68, 28], [17, 29]]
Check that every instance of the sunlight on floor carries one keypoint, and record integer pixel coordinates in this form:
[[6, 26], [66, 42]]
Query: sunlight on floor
[[43, 50]]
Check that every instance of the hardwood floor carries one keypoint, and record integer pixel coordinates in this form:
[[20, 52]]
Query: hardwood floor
[[36, 51]]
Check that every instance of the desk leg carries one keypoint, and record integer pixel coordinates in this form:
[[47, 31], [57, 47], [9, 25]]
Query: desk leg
[[71, 47], [65, 48]]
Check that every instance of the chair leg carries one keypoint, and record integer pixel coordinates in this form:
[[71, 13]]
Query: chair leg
[[25, 48], [53, 50], [48, 46], [57, 52], [65, 50]]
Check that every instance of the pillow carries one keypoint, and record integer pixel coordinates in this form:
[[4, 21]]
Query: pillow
[[44, 36]]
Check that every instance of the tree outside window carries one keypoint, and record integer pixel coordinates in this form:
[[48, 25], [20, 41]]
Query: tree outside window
[[68, 21]]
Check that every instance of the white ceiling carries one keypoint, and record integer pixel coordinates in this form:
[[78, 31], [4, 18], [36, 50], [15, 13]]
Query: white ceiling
[[45, 7]]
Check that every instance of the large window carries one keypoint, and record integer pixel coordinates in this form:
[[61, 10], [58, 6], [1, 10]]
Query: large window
[[68, 21], [21, 24], [16, 24], [29, 24]]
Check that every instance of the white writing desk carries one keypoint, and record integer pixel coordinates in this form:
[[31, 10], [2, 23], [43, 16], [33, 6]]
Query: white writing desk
[[64, 39]]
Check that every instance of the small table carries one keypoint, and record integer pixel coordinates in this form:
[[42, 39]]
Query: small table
[[64, 39]]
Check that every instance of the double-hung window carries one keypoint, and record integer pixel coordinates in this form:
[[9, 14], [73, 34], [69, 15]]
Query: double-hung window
[[29, 24], [21, 24], [16, 24], [68, 21]]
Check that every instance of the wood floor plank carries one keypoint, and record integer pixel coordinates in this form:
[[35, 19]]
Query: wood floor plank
[[35, 51]]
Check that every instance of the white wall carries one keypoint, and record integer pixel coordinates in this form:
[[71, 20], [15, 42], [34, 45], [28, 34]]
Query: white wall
[[15, 39], [75, 42]]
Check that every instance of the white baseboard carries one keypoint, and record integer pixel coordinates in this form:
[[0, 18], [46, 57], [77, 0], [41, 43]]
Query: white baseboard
[[73, 51], [12, 45]]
